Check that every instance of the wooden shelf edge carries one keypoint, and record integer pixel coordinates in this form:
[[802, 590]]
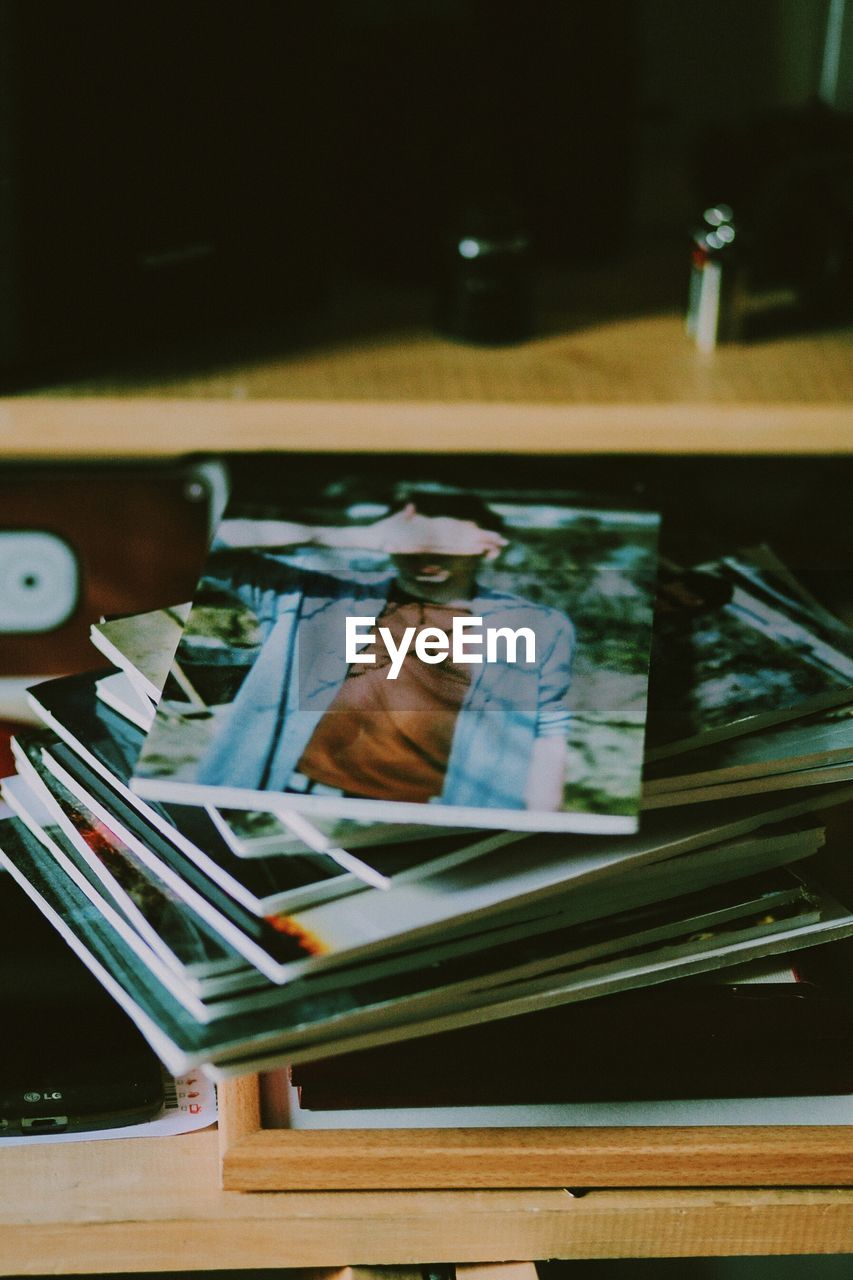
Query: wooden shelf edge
[[283, 1160], [600, 1225], [118, 428]]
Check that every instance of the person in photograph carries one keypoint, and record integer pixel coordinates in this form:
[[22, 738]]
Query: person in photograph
[[488, 734]]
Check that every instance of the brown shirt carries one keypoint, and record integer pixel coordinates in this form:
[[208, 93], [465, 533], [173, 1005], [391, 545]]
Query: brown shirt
[[390, 739]]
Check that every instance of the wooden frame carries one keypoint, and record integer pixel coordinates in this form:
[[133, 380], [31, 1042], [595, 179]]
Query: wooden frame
[[258, 1159]]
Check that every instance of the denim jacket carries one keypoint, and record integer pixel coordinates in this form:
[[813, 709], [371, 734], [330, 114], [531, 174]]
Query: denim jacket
[[302, 665]]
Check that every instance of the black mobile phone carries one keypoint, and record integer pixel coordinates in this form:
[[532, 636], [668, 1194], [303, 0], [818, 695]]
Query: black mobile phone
[[71, 1058]]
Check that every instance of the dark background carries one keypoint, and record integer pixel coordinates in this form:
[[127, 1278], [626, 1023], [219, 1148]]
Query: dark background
[[175, 176]]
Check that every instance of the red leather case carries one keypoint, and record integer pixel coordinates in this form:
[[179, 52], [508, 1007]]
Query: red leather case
[[139, 534]]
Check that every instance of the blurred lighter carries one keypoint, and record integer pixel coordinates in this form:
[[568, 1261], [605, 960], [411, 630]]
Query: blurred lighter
[[713, 305]]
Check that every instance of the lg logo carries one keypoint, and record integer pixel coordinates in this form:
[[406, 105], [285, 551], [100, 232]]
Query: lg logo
[[39, 1097]]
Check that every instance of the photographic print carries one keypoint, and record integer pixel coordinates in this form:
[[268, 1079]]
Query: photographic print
[[430, 655], [739, 647]]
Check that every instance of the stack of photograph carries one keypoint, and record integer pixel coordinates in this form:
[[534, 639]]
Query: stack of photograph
[[467, 769]]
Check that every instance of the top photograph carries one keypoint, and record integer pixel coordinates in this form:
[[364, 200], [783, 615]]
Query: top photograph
[[448, 656]]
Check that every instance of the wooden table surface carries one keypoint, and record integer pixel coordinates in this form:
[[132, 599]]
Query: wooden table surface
[[148, 1205]]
